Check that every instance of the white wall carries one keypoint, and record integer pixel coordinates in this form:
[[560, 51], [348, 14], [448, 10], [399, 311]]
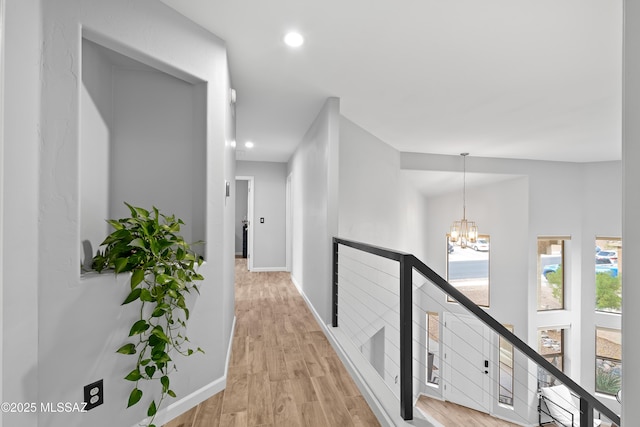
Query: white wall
[[369, 188], [155, 155], [544, 198], [136, 118], [501, 211], [269, 202], [379, 205], [20, 189], [314, 184], [60, 331], [631, 212], [96, 128]]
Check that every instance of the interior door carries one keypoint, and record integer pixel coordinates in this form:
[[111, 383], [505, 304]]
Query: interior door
[[467, 362]]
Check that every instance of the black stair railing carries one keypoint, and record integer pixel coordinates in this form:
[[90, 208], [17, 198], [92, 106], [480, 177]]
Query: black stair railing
[[407, 263]]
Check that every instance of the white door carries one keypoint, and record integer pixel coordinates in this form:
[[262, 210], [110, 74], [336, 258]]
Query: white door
[[467, 362]]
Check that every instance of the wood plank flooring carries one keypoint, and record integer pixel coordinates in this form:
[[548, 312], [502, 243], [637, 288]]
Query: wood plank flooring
[[282, 370], [452, 415]]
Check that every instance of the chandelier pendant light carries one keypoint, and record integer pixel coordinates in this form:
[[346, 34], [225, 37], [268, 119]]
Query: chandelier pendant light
[[464, 231]]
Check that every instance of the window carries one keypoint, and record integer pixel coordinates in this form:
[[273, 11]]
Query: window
[[551, 273], [608, 267], [551, 347], [433, 348], [468, 269], [608, 360], [505, 380]]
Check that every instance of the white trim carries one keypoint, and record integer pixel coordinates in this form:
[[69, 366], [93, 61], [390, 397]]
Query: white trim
[[192, 400], [289, 224], [260, 269], [250, 218]]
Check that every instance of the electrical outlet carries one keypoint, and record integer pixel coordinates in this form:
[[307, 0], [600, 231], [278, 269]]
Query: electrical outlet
[[94, 395], [261, 220]]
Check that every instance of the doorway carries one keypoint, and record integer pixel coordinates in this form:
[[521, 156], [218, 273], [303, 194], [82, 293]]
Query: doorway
[[244, 219], [468, 362]]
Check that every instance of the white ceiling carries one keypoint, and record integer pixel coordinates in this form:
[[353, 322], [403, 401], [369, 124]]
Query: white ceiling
[[530, 79]]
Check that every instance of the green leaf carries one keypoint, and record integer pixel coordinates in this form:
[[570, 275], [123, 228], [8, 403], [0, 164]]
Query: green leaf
[[136, 278], [154, 341], [127, 349], [137, 243], [150, 370], [142, 212], [163, 279], [134, 295], [171, 393], [134, 375], [145, 362], [146, 296], [115, 224], [120, 265], [139, 327], [152, 409], [158, 332], [160, 358], [134, 397], [158, 312], [200, 350], [189, 352], [164, 380]]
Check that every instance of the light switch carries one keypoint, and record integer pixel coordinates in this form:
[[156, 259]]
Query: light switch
[[261, 220]]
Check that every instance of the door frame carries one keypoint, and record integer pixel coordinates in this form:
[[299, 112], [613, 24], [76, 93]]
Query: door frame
[[289, 224], [250, 197]]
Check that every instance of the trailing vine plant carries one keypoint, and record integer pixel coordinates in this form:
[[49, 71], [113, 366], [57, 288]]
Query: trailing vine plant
[[163, 270]]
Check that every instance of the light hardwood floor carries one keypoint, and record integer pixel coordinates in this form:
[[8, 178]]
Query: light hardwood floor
[[283, 371], [452, 415]]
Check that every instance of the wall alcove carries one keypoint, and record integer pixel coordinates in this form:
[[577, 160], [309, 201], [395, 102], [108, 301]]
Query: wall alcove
[[142, 140]]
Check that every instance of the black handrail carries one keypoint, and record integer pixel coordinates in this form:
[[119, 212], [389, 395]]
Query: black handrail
[[409, 262]]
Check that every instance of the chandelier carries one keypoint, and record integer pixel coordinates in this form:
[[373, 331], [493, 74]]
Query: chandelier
[[464, 231]]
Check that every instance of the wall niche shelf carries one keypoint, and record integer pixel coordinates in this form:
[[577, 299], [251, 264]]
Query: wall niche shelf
[[142, 140]]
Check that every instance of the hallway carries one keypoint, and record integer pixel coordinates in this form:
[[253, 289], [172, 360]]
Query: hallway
[[283, 371]]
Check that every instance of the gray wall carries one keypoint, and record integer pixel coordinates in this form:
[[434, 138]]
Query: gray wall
[[269, 202], [314, 198], [61, 329]]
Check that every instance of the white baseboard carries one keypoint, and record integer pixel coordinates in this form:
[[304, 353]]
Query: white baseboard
[[190, 401], [261, 269]]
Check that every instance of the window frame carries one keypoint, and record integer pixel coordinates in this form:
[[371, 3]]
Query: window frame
[[610, 359], [507, 344], [561, 353], [488, 285], [618, 275], [540, 269], [436, 353]]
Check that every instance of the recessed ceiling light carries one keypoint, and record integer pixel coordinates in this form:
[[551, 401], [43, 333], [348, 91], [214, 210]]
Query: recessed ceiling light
[[248, 144], [294, 39]]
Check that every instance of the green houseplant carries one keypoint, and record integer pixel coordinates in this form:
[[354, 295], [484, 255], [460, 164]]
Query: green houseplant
[[163, 270]]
